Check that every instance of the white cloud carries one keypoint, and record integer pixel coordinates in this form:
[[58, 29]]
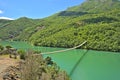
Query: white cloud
[[7, 18], [1, 11]]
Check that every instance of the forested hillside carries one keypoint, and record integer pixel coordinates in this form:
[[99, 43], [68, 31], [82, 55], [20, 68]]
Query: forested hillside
[[94, 21], [11, 29]]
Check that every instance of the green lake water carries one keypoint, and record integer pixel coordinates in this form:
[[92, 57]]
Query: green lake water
[[81, 64]]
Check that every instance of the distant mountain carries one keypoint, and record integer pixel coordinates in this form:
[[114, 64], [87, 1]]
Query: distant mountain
[[3, 22], [94, 21], [96, 6], [13, 28]]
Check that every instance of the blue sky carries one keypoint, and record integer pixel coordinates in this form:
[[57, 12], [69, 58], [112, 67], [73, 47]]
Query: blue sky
[[34, 8]]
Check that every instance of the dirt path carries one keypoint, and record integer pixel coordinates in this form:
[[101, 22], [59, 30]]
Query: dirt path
[[5, 62]]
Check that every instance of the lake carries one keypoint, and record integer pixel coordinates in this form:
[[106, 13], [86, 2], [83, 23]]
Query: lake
[[80, 64]]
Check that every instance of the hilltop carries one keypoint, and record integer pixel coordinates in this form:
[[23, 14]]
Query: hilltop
[[96, 21]]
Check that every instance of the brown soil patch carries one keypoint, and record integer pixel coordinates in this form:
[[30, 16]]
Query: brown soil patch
[[5, 62]]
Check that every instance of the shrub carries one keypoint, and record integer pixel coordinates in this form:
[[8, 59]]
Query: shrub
[[8, 47], [1, 48], [22, 54]]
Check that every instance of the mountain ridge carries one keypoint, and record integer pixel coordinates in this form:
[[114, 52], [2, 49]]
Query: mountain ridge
[[99, 26]]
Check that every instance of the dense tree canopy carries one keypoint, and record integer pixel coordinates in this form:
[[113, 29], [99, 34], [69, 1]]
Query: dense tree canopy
[[94, 21]]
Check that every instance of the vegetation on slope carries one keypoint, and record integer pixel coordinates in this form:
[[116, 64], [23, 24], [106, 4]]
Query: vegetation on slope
[[14, 28], [101, 31], [96, 6], [44, 69], [4, 22], [32, 67], [96, 21]]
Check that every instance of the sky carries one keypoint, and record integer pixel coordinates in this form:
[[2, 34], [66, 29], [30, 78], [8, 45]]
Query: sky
[[13, 9]]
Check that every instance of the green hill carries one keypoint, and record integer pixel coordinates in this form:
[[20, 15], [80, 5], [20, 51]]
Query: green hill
[[13, 28], [96, 6], [4, 22], [94, 21]]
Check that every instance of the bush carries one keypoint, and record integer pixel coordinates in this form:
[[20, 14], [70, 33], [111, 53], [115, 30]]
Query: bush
[[1, 48], [8, 47], [22, 54]]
